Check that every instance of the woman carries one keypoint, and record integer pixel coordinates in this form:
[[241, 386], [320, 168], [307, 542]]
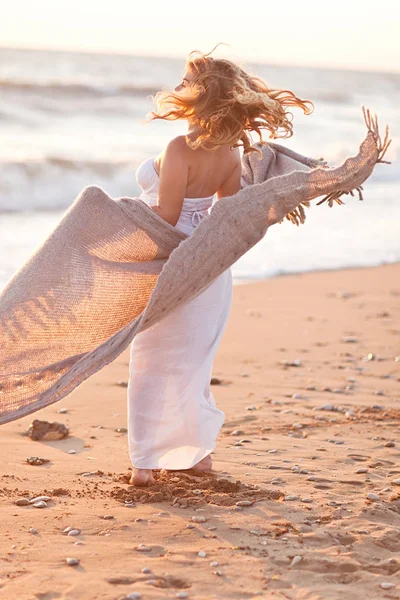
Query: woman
[[173, 422]]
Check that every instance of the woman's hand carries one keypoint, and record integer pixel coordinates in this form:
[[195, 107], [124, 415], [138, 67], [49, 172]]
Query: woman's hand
[[322, 163]]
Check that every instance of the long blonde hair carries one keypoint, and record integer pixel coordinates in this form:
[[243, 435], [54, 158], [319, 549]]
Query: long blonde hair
[[224, 102]]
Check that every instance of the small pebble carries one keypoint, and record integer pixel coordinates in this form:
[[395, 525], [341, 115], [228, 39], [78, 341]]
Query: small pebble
[[291, 363], [289, 498], [373, 497], [71, 451], [390, 445], [237, 432], [199, 519], [146, 570], [62, 411], [387, 585], [134, 596], [33, 530], [190, 526], [350, 413], [295, 560], [297, 426], [40, 504], [74, 532], [243, 503], [37, 460], [122, 383], [22, 502], [72, 561], [202, 554], [396, 481], [143, 548], [307, 500], [362, 470], [108, 517], [343, 294], [40, 499], [214, 563], [379, 393], [182, 595]]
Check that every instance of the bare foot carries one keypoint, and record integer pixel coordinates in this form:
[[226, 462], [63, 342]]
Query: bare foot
[[204, 465], [142, 477]]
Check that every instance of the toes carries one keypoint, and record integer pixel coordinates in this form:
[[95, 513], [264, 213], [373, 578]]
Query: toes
[[141, 479]]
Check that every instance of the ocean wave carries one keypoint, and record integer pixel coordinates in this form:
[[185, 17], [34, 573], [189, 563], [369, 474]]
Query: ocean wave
[[331, 96], [126, 89], [77, 88], [52, 183]]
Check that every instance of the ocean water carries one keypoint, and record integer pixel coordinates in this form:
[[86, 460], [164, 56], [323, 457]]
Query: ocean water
[[70, 119]]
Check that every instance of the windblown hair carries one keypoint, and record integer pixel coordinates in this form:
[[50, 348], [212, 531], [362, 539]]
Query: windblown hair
[[224, 102]]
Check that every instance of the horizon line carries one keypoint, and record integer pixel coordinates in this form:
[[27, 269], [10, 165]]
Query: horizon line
[[133, 54]]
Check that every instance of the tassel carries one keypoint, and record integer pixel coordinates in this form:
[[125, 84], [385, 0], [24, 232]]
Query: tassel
[[371, 122]]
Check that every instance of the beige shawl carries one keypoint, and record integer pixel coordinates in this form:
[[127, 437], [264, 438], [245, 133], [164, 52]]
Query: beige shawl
[[112, 268]]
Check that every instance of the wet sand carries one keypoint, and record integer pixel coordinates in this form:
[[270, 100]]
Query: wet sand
[[310, 386]]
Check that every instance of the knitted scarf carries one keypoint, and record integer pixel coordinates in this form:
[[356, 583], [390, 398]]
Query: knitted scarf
[[113, 267]]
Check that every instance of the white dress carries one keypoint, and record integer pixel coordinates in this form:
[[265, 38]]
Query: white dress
[[173, 421]]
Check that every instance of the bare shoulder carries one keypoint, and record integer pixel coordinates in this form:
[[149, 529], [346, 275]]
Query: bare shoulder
[[174, 150]]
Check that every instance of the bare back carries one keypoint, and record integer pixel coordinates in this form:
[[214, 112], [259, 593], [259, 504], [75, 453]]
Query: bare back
[[216, 172]]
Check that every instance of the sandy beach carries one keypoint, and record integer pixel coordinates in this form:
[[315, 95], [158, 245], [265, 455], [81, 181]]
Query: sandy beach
[[303, 502]]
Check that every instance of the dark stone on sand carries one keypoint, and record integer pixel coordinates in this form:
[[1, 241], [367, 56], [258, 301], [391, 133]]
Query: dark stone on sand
[[36, 460], [46, 431]]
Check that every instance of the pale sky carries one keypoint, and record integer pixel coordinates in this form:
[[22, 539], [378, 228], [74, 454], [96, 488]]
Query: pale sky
[[336, 33]]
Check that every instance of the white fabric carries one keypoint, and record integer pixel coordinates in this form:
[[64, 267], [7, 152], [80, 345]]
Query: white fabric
[[173, 421]]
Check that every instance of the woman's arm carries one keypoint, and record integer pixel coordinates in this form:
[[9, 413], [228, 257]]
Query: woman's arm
[[174, 171]]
